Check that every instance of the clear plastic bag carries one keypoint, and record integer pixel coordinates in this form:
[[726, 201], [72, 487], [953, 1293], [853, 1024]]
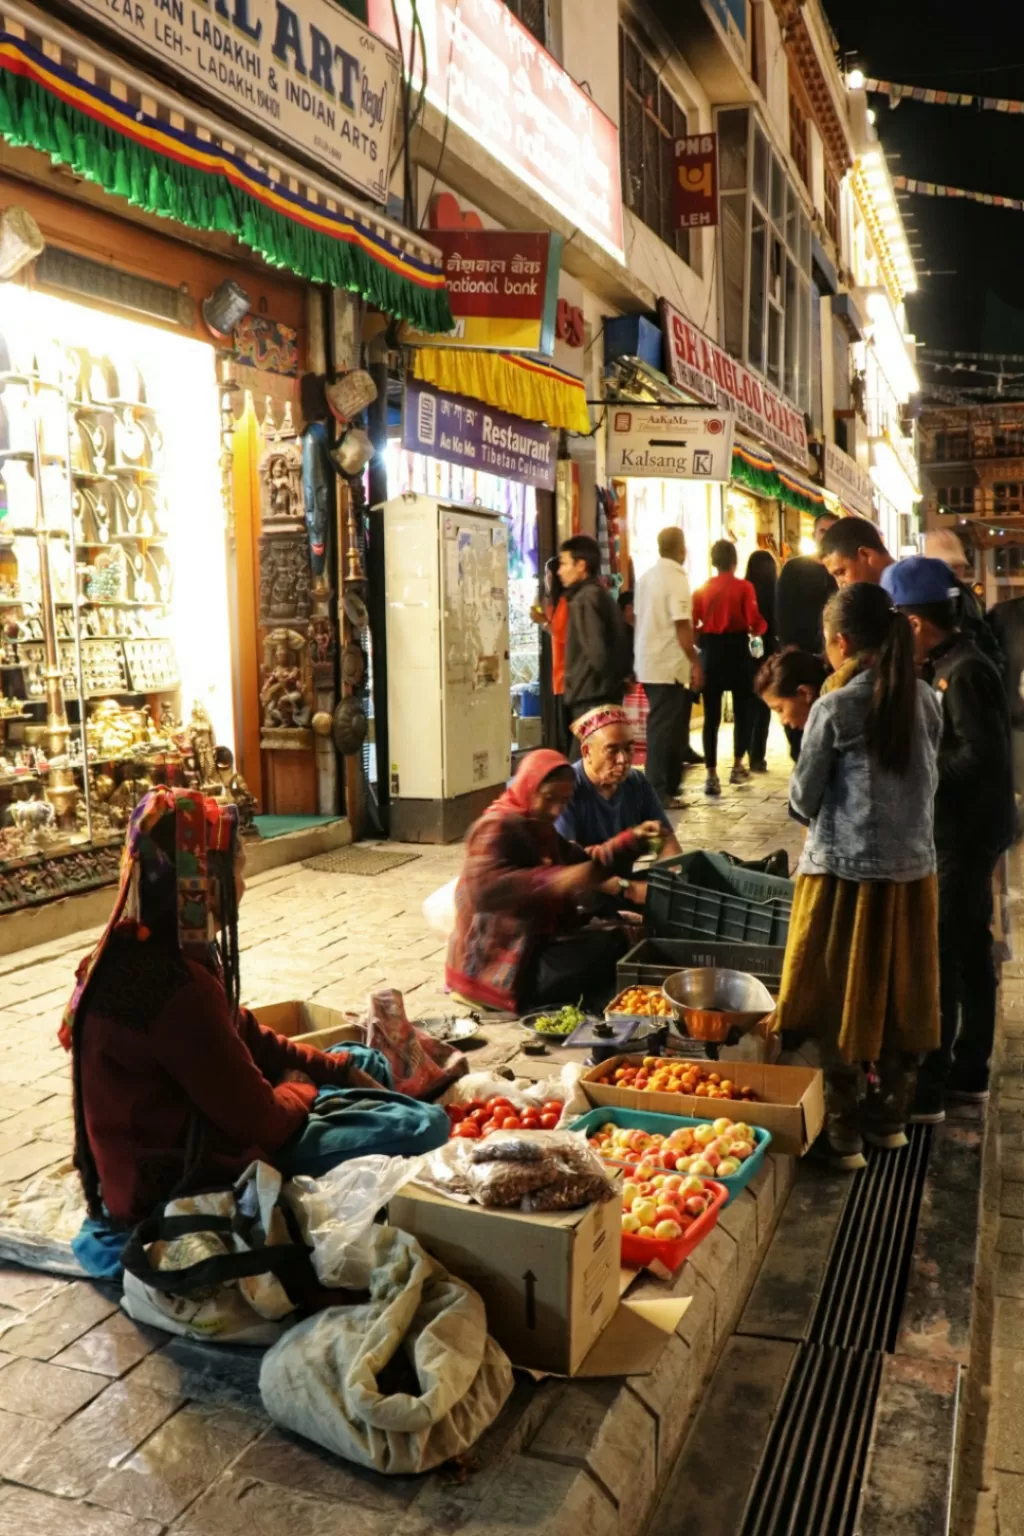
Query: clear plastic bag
[[516, 1170], [564, 1089], [336, 1213]]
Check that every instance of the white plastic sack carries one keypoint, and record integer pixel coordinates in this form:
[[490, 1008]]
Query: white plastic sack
[[439, 909], [336, 1214], [446, 1380], [565, 1088], [247, 1310]]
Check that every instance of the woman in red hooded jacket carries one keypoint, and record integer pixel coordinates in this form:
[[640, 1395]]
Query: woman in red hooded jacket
[[520, 939]]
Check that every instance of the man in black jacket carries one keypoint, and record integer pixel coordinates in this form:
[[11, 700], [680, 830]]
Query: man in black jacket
[[597, 645], [974, 825], [1007, 623]]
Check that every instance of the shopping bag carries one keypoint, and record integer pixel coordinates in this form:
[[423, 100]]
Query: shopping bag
[[439, 909], [422, 1067], [218, 1265], [400, 1383]]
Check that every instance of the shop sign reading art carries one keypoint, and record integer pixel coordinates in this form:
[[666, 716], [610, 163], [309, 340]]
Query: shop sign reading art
[[305, 71]]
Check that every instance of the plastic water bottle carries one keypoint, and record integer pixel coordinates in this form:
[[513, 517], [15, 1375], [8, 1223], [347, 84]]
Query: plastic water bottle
[[756, 647]]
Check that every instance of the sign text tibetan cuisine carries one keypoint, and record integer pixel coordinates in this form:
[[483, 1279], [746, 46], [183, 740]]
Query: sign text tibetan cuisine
[[466, 432], [696, 183], [670, 442], [496, 83], [305, 72], [503, 289], [693, 362]]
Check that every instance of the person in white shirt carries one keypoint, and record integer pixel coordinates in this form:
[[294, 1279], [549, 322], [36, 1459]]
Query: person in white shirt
[[667, 664]]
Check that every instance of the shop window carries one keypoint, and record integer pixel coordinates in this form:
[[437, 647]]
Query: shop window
[[534, 16], [798, 138], [831, 205], [766, 275], [1009, 443], [651, 121]]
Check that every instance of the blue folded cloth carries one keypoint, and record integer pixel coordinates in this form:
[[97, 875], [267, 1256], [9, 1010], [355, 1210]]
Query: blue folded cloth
[[98, 1246]]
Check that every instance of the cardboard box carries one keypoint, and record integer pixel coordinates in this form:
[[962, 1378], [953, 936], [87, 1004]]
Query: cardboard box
[[790, 1100], [550, 1281], [310, 1024]]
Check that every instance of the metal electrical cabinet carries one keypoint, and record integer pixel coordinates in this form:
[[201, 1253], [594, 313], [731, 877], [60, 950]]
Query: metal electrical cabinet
[[449, 706]]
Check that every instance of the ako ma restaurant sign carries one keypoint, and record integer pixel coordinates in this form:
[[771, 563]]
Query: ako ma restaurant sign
[[492, 78], [695, 363], [305, 71]]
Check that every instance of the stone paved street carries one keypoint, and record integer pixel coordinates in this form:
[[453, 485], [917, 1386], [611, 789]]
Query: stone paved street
[[108, 1429]]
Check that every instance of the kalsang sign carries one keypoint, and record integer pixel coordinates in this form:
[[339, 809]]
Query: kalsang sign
[[695, 363], [466, 432], [670, 442], [305, 71], [492, 78]]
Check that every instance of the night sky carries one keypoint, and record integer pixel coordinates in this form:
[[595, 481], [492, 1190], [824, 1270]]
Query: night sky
[[940, 43]]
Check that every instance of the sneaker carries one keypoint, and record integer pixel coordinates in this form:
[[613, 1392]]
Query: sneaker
[[739, 774], [845, 1162], [760, 766], [711, 784], [929, 1107], [842, 1150], [886, 1141]]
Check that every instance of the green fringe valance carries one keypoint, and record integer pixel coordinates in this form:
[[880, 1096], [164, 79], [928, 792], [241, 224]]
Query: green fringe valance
[[762, 482], [200, 194]]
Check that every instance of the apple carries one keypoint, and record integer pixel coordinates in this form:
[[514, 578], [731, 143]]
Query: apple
[[668, 1231], [630, 1192], [646, 1189], [741, 1130], [701, 1165], [643, 1171], [693, 1186], [666, 1212], [712, 1158], [630, 1223], [722, 1127], [646, 1232], [645, 1212], [659, 1181], [741, 1150], [727, 1167], [704, 1135], [668, 1159], [672, 1183], [695, 1206]]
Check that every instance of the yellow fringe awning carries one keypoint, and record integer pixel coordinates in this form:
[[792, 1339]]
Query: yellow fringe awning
[[520, 385]]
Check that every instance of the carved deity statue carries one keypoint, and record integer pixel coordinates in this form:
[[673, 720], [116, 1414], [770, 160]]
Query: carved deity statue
[[281, 478], [283, 697]]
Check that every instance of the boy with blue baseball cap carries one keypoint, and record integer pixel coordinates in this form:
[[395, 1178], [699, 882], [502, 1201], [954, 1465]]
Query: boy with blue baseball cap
[[975, 819]]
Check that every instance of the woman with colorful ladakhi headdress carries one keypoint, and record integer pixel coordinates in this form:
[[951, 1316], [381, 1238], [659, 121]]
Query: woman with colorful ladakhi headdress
[[521, 939], [175, 1086]]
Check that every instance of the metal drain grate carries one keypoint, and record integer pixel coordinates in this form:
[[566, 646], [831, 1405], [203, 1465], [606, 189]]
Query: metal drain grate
[[866, 1278], [809, 1480]]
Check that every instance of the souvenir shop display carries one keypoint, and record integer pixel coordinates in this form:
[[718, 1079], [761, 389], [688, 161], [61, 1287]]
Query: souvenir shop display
[[89, 680]]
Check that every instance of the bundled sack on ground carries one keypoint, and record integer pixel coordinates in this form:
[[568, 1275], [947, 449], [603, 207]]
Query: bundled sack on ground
[[400, 1383], [224, 1266]]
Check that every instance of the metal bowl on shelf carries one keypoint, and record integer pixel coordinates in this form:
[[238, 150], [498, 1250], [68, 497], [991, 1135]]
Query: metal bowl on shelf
[[717, 1005]]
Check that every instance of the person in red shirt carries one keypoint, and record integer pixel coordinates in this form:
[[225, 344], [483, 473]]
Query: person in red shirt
[[725, 615], [177, 1088]]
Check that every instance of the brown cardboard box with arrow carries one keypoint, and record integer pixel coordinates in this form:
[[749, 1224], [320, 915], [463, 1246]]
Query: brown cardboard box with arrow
[[551, 1283]]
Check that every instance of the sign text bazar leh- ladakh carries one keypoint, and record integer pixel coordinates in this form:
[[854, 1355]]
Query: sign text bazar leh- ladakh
[[693, 362], [306, 71]]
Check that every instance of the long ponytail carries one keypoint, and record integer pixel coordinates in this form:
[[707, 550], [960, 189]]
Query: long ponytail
[[874, 629]]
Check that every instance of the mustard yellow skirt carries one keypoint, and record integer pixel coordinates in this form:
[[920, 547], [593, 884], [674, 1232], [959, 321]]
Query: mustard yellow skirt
[[862, 966]]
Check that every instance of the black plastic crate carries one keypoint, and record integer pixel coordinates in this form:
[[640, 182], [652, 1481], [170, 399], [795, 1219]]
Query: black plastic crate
[[676, 909], [652, 960]]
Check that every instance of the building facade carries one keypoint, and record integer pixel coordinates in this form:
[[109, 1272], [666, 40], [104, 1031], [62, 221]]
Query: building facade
[[972, 474]]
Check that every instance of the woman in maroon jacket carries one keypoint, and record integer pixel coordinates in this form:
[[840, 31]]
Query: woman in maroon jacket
[[175, 1085]]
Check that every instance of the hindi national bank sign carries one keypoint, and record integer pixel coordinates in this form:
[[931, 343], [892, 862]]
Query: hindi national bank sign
[[306, 72], [669, 443]]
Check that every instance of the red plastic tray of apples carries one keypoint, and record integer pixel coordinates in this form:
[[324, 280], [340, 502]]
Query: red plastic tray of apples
[[695, 1225]]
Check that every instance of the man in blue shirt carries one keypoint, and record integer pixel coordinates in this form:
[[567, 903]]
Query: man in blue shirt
[[610, 794]]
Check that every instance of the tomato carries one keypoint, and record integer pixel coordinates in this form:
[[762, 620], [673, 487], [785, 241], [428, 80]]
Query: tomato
[[468, 1129], [549, 1122], [552, 1107], [489, 1126], [531, 1122], [499, 1103], [456, 1113], [511, 1123]]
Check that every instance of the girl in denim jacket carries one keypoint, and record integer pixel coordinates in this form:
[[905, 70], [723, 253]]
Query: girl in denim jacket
[[861, 968]]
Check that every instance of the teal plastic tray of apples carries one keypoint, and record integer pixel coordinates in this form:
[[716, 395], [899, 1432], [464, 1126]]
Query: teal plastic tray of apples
[[706, 1145]]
